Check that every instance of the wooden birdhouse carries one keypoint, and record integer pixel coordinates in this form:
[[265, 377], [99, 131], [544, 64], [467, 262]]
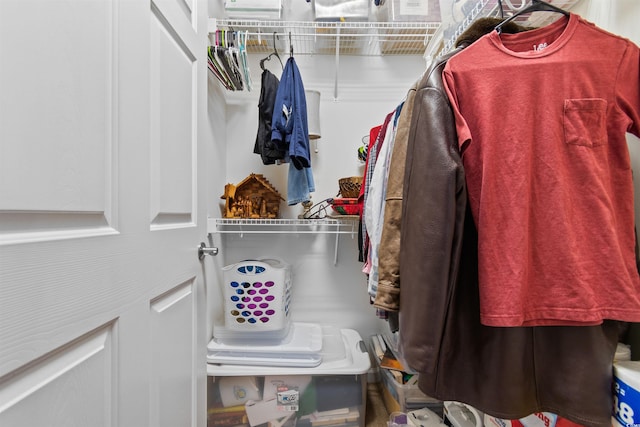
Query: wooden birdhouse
[[254, 197]]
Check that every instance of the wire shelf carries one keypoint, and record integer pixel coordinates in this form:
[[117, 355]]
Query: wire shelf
[[282, 226], [327, 38], [427, 39], [374, 38]]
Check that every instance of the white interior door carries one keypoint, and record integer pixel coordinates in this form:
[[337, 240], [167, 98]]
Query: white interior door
[[101, 293]]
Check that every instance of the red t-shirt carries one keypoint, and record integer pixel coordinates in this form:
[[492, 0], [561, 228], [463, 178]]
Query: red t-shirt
[[541, 119]]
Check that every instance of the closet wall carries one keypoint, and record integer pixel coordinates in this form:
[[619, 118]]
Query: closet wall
[[323, 292], [368, 88]]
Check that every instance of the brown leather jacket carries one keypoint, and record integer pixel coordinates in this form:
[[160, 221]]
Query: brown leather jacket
[[388, 293], [504, 372]]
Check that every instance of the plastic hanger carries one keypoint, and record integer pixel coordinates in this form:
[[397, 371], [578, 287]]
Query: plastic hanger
[[275, 52], [244, 60], [216, 67], [290, 46], [536, 5]]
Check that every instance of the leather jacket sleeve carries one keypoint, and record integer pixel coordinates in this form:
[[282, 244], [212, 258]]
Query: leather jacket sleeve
[[388, 291], [432, 223]]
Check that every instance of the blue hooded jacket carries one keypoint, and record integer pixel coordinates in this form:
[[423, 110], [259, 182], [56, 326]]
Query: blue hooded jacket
[[289, 127]]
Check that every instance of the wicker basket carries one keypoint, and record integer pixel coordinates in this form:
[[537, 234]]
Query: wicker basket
[[350, 187]]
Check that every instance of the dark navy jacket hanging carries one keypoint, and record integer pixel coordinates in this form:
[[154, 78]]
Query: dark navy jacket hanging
[[268, 150]]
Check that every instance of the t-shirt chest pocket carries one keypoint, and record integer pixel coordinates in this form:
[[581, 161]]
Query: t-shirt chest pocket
[[585, 121]]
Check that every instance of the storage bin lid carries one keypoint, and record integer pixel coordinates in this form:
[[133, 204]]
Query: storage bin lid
[[355, 361], [301, 347]]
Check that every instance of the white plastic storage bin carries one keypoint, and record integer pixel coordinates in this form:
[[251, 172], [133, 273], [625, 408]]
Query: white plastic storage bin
[[407, 12], [257, 294], [331, 394], [341, 10], [254, 9]]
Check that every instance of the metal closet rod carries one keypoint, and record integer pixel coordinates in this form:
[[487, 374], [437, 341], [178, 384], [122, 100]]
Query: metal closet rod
[[310, 36], [241, 24]]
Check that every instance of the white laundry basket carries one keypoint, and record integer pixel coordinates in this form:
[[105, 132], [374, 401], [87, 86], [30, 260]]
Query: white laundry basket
[[257, 295]]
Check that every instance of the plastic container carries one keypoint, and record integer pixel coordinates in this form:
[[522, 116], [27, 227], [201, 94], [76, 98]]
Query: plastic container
[[425, 418], [341, 10], [333, 393], [301, 347], [257, 294], [462, 415], [626, 381], [253, 9]]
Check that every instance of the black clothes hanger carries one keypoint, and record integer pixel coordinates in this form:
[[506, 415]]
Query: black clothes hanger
[[536, 5], [290, 46], [275, 52]]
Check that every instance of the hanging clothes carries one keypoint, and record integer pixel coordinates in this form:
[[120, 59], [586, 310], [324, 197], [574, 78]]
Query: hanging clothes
[[374, 206], [548, 172], [387, 293], [362, 239], [267, 149], [372, 156], [290, 132], [504, 372]]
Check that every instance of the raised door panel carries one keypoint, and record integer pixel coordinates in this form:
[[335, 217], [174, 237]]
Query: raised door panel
[[173, 86], [57, 171], [173, 349], [71, 386]]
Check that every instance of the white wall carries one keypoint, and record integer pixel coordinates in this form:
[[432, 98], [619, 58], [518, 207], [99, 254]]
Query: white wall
[[368, 89]]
